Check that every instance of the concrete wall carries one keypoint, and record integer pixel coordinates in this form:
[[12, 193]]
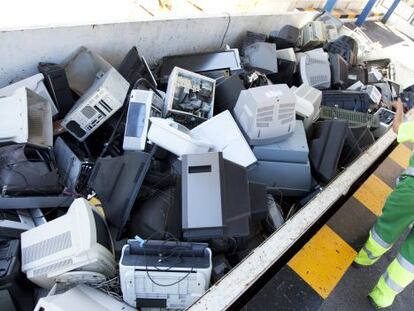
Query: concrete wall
[[21, 50]]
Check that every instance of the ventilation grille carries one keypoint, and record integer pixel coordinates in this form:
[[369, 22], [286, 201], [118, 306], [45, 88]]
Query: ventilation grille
[[46, 247], [88, 111], [286, 113], [315, 61], [329, 113], [36, 123], [264, 116], [56, 266], [104, 105]]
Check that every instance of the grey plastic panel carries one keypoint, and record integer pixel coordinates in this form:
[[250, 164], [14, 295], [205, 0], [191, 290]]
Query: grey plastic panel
[[294, 149], [215, 196], [201, 192], [117, 182], [292, 179], [35, 202]]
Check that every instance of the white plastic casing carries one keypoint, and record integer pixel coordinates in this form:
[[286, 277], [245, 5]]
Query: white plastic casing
[[26, 117], [226, 137], [136, 127], [34, 83], [182, 78], [65, 244], [308, 100], [81, 297], [266, 114], [135, 283], [176, 138], [315, 69], [374, 94], [105, 97]]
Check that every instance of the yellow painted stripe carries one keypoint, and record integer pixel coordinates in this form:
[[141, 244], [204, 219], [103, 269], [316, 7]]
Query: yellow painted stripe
[[372, 194], [351, 14], [337, 13], [401, 155], [323, 261]]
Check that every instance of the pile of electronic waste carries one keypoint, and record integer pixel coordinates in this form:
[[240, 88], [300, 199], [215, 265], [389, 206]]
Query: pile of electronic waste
[[139, 187]]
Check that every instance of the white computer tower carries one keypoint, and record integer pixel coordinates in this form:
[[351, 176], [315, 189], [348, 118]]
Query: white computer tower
[[374, 94], [105, 97], [189, 96], [137, 122]]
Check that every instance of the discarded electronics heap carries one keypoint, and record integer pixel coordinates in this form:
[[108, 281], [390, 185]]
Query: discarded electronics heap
[[135, 187]]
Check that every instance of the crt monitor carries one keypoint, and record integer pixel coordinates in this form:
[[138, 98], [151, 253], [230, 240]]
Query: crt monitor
[[134, 67], [261, 56], [286, 37], [266, 114], [81, 297], [77, 242], [312, 35], [83, 68], [325, 148], [285, 74], [26, 117], [315, 69], [345, 46], [339, 71], [201, 63], [349, 100], [251, 38]]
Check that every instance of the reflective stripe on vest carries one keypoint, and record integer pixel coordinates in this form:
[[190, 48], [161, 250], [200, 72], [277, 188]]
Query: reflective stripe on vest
[[378, 239], [391, 284], [405, 263], [400, 273], [369, 254], [408, 172], [373, 249], [375, 246]]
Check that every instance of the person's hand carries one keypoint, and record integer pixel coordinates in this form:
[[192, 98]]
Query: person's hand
[[398, 104]]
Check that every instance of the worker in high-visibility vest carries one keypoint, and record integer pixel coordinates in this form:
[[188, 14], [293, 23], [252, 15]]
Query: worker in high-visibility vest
[[397, 215]]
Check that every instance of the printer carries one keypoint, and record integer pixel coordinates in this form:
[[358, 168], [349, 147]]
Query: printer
[[164, 274]]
